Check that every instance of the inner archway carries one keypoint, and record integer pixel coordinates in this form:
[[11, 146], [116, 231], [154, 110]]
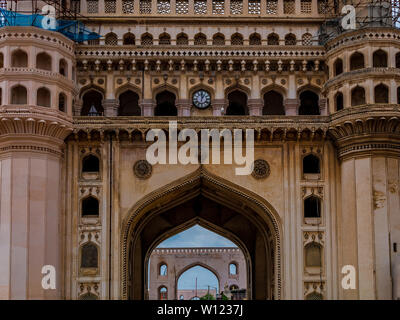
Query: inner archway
[[204, 285], [216, 204], [197, 262]]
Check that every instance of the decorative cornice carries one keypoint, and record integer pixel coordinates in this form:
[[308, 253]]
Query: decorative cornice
[[355, 130], [364, 35], [33, 128], [34, 36], [266, 128], [195, 251], [363, 74], [358, 133], [171, 52], [22, 74]]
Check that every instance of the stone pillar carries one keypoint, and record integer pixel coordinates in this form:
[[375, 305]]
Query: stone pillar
[[147, 106], [368, 223], [183, 106], [255, 107], [110, 107], [31, 202], [218, 105], [291, 106], [77, 107], [323, 106]]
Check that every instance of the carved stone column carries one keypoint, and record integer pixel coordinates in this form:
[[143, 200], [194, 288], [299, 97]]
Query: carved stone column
[[291, 106], [31, 152], [255, 107], [323, 106], [219, 107], [77, 107], [147, 106], [183, 107], [368, 145], [110, 107]]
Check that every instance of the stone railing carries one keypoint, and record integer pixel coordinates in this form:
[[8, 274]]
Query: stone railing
[[33, 35], [352, 37], [206, 8], [102, 52], [33, 71], [195, 251], [368, 72]]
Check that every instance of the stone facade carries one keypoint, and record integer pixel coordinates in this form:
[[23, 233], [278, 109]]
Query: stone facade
[[168, 264], [325, 117]]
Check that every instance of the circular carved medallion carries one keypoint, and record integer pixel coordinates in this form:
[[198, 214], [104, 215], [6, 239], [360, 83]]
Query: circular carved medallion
[[261, 169], [142, 169]]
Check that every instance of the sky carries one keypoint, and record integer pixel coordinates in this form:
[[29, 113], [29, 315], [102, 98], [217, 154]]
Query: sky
[[204, 277], [197, 236]]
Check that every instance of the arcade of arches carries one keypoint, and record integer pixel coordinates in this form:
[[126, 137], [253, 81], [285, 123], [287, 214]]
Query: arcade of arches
[[166, 104]]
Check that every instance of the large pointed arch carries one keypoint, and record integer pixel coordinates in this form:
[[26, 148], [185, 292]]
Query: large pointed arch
[[221, 191]]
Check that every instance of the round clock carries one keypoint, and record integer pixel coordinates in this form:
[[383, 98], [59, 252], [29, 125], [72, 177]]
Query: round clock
[[201, 99]]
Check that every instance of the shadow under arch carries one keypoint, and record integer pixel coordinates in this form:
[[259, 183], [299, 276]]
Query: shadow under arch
[[211, 227], [246, 205]]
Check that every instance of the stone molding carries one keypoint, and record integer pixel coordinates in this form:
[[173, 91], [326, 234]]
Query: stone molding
[[183, 106], [33, 128], [195, 251], [386, 73], [255, 106], [367, 134], [291, 106], [110, 107], [363, 35], [37, 75], [155, 52], [217, 105], [147, 106], [54, 40]]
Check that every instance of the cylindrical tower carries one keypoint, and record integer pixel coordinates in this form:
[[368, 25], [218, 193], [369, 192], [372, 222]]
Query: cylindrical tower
[[37, 88], [363, 92]]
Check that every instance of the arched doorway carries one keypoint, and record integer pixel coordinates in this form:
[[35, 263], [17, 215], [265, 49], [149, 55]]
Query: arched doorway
[[92, 103], [129, 104], [216, 204], [237, 104], [205, 283], [165, 104]]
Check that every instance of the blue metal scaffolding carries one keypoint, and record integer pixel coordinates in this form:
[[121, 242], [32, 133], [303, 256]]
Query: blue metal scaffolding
[[72, 29]]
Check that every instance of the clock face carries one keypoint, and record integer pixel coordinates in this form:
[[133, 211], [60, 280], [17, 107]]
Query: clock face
[[201, 99]]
